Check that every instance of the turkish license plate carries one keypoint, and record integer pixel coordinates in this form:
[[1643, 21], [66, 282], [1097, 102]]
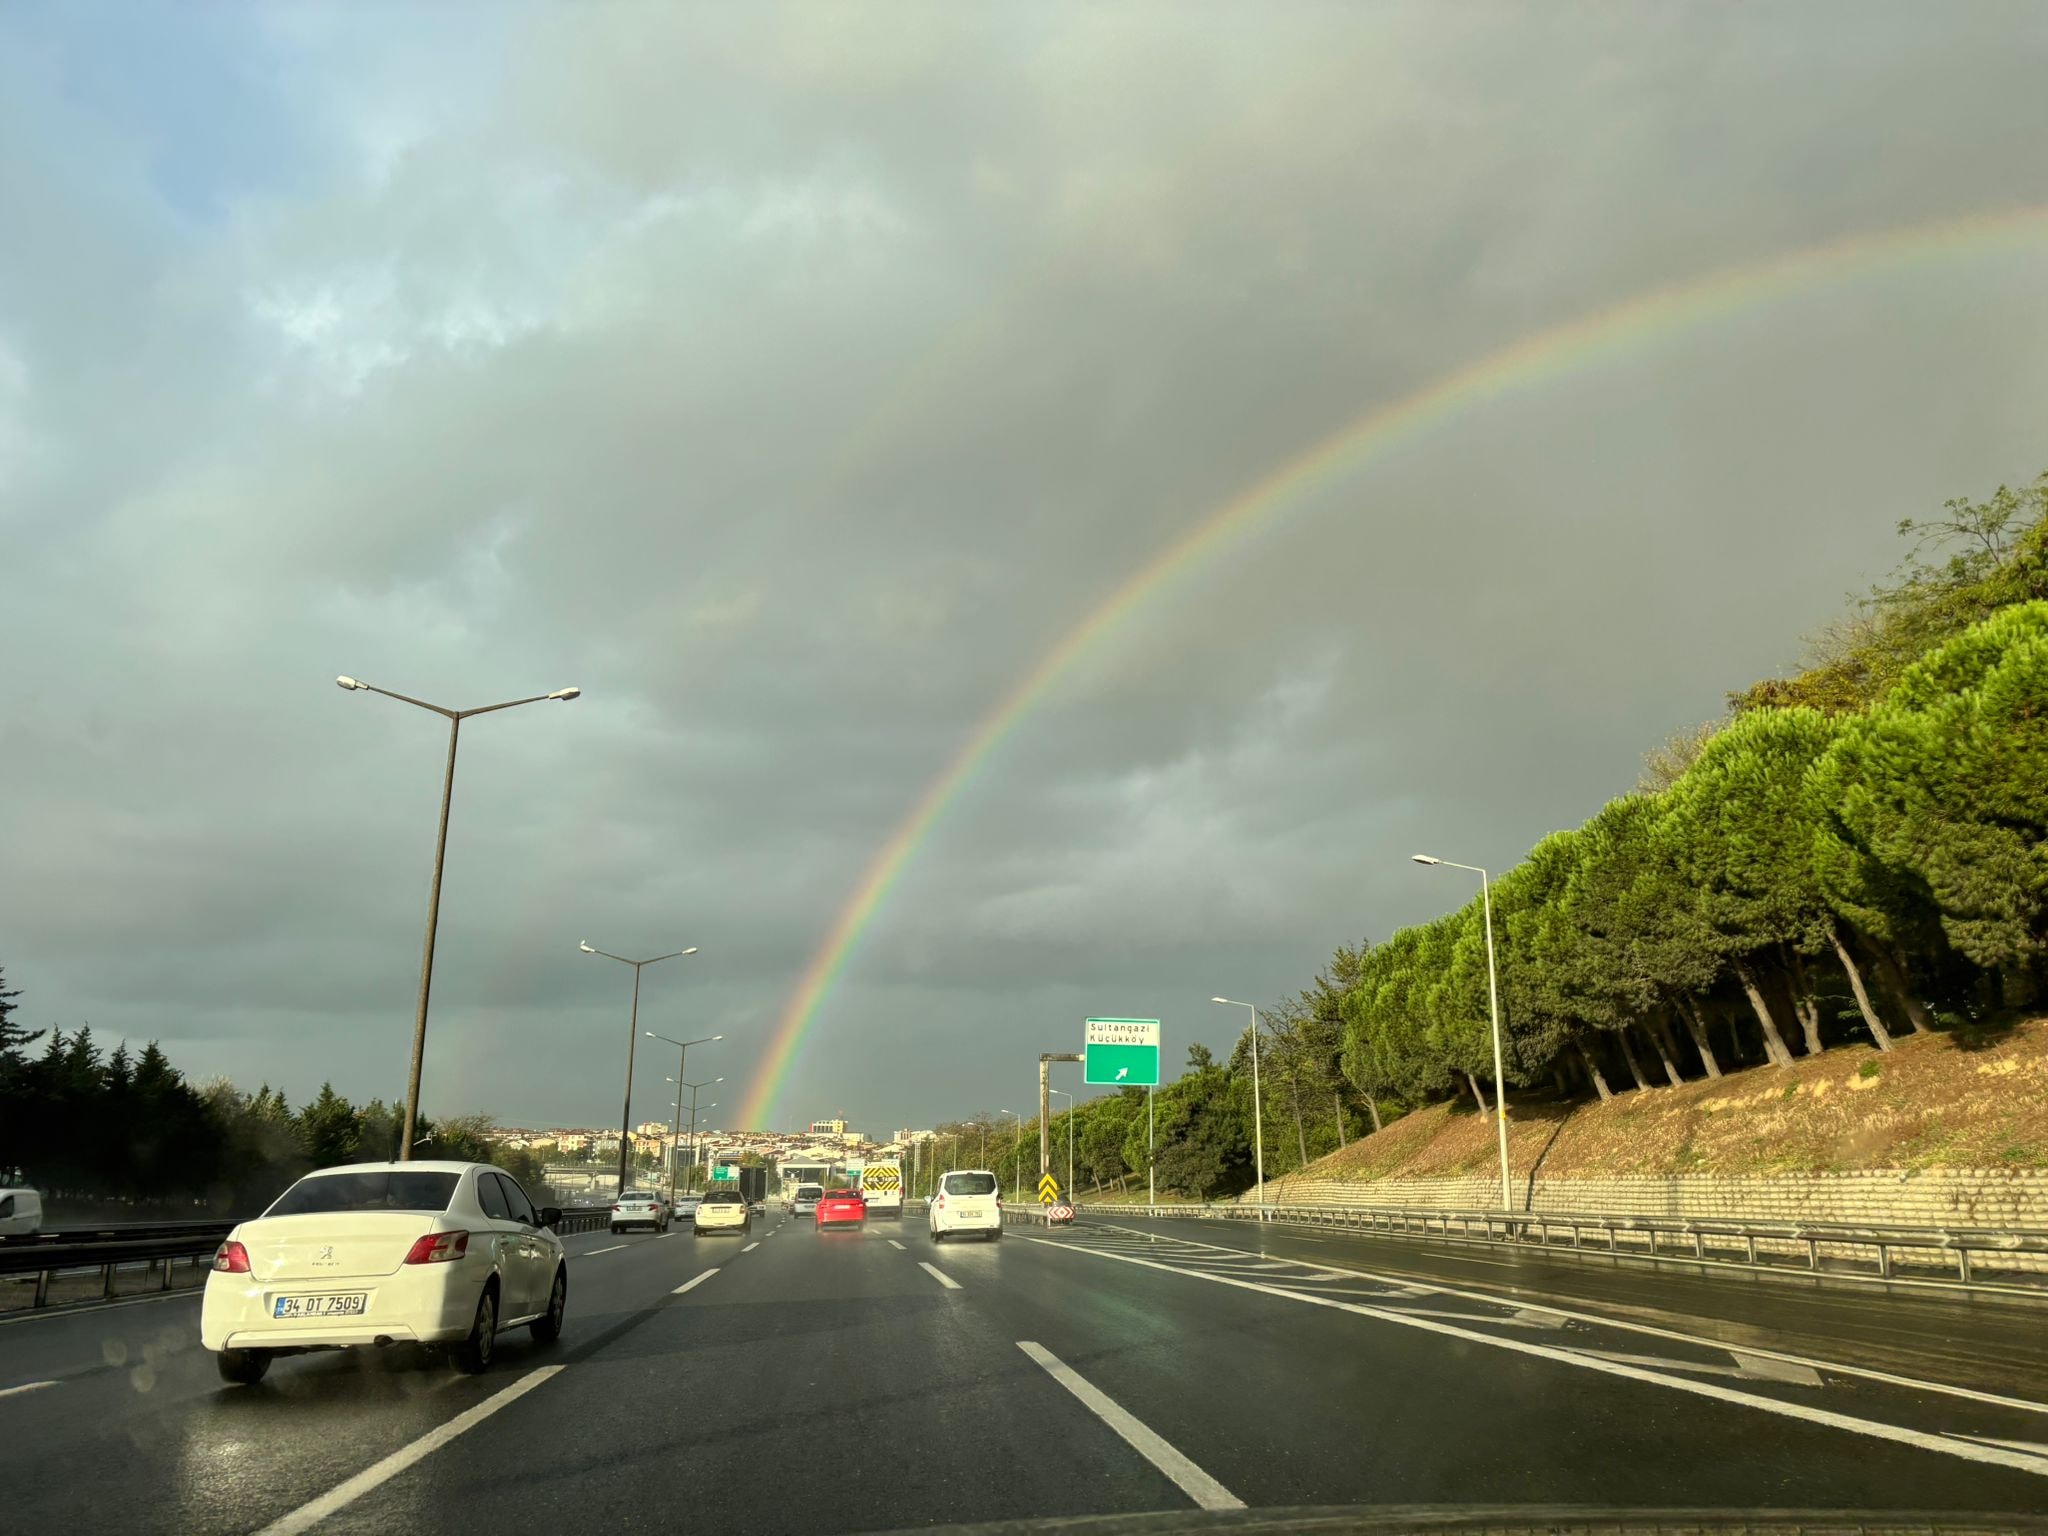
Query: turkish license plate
[[352, 1305]]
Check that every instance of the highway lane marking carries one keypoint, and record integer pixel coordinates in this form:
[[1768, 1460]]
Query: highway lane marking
[[1771, 1369], [1992, 1455], [694, 1281], [1182, 1473], [750, 1247], [896, 1245], [308, 1515], [1528, 1310], [2015, 1445], [26, 1386], [593, 1253], [939, 1275]]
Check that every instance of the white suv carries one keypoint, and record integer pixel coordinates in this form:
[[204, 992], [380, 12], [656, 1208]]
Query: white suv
[[967, 1201]]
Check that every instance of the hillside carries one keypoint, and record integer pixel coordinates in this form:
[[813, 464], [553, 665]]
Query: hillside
[[1935, 1101]]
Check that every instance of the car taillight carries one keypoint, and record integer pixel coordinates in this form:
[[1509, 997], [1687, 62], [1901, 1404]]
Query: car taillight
[[232, 1259], [942, 1202], [438, 1248]]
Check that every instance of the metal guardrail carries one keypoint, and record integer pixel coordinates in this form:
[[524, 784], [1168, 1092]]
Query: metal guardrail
[[1953, 1257], [160, 1245]]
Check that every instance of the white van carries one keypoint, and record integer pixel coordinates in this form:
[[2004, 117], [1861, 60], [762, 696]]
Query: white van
[[882, 1185], [806, 1200], [21, 1211], [969, 1200]]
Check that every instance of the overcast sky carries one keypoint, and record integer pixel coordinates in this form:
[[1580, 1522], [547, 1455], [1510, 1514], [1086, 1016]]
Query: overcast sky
[[793, 380]]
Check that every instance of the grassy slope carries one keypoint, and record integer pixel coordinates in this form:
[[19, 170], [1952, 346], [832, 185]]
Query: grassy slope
[[1938, 1101]]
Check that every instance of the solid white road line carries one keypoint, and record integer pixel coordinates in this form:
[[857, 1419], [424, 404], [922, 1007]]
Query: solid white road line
[[694, 1281], [593, 1253], [306, 1516], [1182, 1473], [750, 1247], [1408, 1287], [939, 1275], [897, 1246], [26, 1386], [1873, 1428]]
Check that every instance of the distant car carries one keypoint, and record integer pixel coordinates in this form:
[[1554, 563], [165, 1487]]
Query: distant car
[[376, 1253], [21, 1211], [685, 1209], [639, 1208], [842, 1208], [722, 1210], [967, 1201], [806, 1199]]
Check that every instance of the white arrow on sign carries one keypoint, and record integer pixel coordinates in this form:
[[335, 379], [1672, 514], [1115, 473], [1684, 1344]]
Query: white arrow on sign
[[1122, 1073]]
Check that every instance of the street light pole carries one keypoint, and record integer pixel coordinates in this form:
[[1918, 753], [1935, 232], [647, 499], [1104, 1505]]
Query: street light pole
[[1016, 1157], [1258, 1102], [454, 717], [1071, 1108], [675, 1135], [632, 1040], [1500, 1086]]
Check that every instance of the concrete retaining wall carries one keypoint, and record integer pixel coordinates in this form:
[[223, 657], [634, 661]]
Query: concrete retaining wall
[[1986, 1198]]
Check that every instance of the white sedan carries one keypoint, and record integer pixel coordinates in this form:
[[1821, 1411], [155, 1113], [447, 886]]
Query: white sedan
[[382, 1253]]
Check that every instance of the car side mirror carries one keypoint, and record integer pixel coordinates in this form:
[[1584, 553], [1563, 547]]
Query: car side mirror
[[551, 1215]]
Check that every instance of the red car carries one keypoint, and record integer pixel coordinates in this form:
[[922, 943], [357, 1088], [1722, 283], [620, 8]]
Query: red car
[[841, 1208]]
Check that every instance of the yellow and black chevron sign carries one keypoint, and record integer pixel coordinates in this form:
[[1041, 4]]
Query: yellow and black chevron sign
[[883, 1180], [1048, 1190]]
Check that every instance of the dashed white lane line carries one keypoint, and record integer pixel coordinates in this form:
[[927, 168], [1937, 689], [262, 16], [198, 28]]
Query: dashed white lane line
[[896, 1245], [306, 1516], [1876, 1429], [26, 1386], [939, 1275], [1182, 1473], [750, 1247], [615, 1247], [693, 1282]]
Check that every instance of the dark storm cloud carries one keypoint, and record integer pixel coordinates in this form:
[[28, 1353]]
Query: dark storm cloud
[[791, 380]]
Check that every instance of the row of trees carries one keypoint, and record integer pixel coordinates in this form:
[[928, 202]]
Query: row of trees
[[1857, 853], [98, 1130]]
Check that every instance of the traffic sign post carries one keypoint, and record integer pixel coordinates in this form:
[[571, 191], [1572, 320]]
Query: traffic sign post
[[1121, 1053]]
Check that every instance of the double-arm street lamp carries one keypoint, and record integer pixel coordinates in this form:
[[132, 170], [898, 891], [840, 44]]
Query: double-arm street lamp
[[675, 1135], [632, 1040], [454, 717], [1258, 1100], [1500, 1087]]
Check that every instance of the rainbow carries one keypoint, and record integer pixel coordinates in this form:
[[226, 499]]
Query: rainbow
[[1532, 360]]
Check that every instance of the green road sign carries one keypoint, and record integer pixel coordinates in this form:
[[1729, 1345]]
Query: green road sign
[[1121, 1052], [724, 1171]]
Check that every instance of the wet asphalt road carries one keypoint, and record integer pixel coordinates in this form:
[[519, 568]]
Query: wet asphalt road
[[833, 1382]]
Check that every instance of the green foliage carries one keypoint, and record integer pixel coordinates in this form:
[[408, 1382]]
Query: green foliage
[[1892, 802], [127, 1129], [1998, 556]]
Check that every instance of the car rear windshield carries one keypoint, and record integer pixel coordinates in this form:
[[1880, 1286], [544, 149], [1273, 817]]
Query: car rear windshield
[[367, 1192], [970, 1183], [723, 1197]]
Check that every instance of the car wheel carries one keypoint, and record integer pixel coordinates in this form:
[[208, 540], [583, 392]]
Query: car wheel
[[548, 1326], [473, 1354], [615, 1229], [242, 1367], [995, 1234], [937, 1235]]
